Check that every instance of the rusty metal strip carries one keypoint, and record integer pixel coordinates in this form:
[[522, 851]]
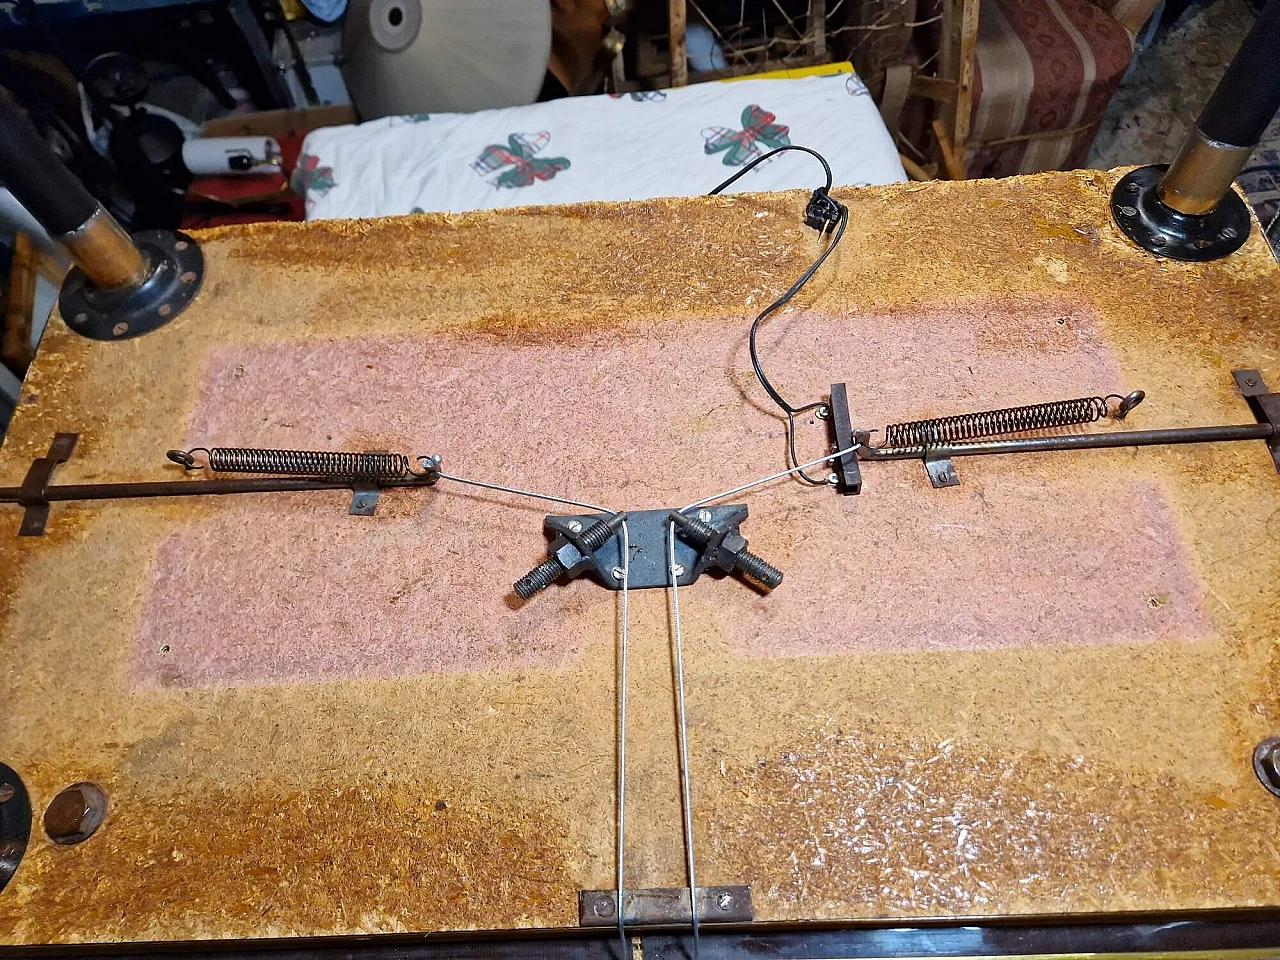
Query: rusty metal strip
[[34, 485]]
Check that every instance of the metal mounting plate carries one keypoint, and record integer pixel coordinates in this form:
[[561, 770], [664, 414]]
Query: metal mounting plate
[[15, 823], [647, 534], [177, 269], [659, 905], [1145, 220]]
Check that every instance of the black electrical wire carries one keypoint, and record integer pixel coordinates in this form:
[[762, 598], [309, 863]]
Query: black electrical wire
[[1271, 168], [773, 153], [820, 195]]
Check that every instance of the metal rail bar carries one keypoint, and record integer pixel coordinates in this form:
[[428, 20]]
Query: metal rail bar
[[195, 488], [1083, 441]]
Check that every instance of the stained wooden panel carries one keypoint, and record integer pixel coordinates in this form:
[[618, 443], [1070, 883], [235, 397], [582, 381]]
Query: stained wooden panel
[[1037, 692]]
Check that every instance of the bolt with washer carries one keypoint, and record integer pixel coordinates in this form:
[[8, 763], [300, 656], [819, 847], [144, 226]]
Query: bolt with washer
[[725, 901]]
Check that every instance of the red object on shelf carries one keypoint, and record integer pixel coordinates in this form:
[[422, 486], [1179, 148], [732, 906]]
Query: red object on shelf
[[217, 201]]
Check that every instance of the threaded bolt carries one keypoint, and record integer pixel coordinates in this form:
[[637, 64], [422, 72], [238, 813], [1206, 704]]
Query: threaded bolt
[[539, 578], [753, 568], [599, 533], [746, 562], [551, 569]]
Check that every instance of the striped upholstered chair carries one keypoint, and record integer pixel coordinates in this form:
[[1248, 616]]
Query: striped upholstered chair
[[1044, 73]]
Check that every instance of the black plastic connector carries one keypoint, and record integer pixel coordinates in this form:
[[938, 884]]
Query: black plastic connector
[[822, 213]]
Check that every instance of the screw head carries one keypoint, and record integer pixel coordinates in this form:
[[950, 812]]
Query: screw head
[[1129, 211], [75, 814], [724, 901], [704, 515], [1250, 382], [822, 413], [6, 792], [1132, 187], [1158, 241], [678, 569], [180, 245], [1266, 764], [575, 526], [120, 329], [618, 573], [1229, 233], [833, 478], [80, 318], [188, 277], [604, 907]]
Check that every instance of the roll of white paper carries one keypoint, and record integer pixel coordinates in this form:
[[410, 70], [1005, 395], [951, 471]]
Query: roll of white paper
[[223, 155]]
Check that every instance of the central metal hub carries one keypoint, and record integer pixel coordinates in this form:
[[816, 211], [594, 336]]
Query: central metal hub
[[648, 533], [1151, 224]]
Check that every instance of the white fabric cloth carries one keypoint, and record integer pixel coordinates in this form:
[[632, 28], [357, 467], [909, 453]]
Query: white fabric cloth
[[671, 143]]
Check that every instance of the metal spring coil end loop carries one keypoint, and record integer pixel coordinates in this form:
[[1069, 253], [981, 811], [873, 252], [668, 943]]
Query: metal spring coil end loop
[[1126, 404], [428, 466], [186, 458]]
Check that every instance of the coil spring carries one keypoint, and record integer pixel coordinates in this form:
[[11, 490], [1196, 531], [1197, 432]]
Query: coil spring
[[990, 423], [299, 463]]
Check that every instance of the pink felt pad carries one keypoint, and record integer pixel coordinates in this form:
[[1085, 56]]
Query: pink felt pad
[[288, 588]]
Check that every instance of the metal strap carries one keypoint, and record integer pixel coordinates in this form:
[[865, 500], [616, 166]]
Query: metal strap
[[34, 485]]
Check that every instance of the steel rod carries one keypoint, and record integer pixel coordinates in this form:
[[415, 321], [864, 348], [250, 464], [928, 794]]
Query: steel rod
[[1082, 441], [194, 488]]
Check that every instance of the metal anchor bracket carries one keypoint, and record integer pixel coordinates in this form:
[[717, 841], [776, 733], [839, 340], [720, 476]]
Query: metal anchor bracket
[[591, 545], [32, 495], [1034, 429], [1264, 404], [664, 905]]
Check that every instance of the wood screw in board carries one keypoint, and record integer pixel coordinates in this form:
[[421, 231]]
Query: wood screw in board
[[1266, 764], [75, 814]]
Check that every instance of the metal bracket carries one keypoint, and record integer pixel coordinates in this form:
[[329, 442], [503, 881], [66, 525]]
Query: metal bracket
[[941, 471], [32, 494], [364, 496], [664, 905], [1264, 404], [364, 500], [647, 533], [848, 475]]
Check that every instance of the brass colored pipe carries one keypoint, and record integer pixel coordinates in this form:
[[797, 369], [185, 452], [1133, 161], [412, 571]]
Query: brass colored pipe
[[105, 253], [1201, 174]]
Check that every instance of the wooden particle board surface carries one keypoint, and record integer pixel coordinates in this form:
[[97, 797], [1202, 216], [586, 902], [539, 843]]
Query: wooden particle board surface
[[1034, 693]]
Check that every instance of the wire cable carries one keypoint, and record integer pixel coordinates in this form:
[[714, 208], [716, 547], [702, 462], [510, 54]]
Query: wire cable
[[525, 493], [819, 197], [769, 479], [747, 168], [622, 739], [788, 410], [683, 729]]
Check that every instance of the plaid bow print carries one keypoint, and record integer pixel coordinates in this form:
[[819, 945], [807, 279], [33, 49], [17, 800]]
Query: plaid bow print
[[741, 145], [519, 154]]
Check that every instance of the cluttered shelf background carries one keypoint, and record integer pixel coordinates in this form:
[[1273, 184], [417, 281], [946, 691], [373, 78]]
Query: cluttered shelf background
[[193, 113]]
